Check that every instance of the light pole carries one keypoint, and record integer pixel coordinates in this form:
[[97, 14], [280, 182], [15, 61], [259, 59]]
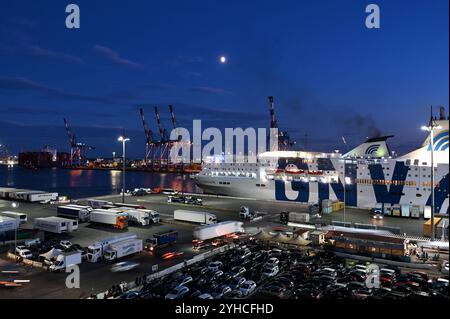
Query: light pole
[[123, 139], [430, 128]]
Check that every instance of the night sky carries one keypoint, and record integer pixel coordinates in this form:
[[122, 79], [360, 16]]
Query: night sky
[[329, 74]]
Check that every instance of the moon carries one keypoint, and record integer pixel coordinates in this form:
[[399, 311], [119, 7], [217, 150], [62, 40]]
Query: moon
[[223, 59]]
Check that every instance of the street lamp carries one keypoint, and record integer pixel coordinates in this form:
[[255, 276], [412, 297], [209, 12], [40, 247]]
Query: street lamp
[[123, 139], [430, 128]]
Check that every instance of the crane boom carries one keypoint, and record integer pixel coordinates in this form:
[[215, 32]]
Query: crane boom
[[147, 131], [160, 127]]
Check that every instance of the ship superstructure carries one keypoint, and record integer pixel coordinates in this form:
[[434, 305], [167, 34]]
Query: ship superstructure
[[368, 175]]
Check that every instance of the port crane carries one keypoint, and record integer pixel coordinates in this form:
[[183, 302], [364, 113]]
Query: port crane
[[284, 140], [151, 145], [164, 140], [77, 149]]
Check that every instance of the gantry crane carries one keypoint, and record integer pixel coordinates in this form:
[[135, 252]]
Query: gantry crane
[[151, 144], [77, 149]]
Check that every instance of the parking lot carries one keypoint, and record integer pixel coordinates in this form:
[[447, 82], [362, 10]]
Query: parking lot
[[98, 277], [256, 271]]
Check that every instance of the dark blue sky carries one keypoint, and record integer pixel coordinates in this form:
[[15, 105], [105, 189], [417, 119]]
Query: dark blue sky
[[330, 75]]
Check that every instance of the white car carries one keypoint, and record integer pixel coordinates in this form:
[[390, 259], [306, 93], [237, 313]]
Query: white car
[[182, 281], [221, 292], [272, 262], [247, 288], [23, 252], [214, 266], [65, 243], [271, 271], [177, 292], [124, 266]]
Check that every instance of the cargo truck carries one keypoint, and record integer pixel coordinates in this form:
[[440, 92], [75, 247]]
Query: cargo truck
[[141, 217], [20, 217], [55, 225], [82, 213], [64, 260], [286, 217], [97, 249], [115, 218], [123, 249], [218, 230], [161, 240], [8, 224], [194, 216]]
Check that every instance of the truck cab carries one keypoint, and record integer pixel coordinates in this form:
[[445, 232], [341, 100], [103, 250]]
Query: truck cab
[[245, 213]]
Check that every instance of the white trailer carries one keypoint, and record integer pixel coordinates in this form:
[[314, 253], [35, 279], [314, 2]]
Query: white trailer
[[98, 203], [8, 224], [41, 197], [96, 250], [194, 216], [20, 217], [218, 230], [65, 260], [123, 249], [33, 196], [115, 218], [82, 213], [56, 225]]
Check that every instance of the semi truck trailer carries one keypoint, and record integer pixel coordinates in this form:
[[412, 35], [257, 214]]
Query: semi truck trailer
[[123, 249], [161, 240], [194, 216], [218, 230], [20, 217], [114, 218], [8, 224], [82, 213], [56, 225], [97, 249]]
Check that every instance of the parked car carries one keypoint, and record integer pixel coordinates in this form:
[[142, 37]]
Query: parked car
[[24, 252], [247, 288], [65, 244], [272, 262], [237, 282], [214, 266], [177, 292], [270, 271], [221, 292]]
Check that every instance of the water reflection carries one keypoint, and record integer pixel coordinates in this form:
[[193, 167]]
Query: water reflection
[[86, 183]]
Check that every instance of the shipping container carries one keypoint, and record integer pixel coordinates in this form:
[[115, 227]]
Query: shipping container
[[405, 210], [55, 225]]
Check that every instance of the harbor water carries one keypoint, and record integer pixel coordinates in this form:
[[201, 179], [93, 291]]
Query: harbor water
[[78, 183]]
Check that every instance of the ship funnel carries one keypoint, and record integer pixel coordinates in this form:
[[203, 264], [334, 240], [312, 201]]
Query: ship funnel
[[442, 113]]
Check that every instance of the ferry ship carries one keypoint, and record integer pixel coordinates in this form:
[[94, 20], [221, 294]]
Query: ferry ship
[[364, 177]]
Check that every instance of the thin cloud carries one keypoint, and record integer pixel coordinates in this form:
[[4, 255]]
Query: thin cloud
[[114, 57], [209, 90], [40, 52], [24, 84]]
